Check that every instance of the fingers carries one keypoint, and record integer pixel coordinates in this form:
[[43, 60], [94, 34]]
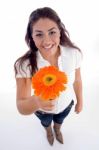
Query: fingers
[[47, 108], [47, 105], [78, 108]]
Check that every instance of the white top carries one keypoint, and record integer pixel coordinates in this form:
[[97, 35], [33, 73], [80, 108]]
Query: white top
[[68, 61]]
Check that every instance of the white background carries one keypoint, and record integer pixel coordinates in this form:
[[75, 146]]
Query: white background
[[81, 132]]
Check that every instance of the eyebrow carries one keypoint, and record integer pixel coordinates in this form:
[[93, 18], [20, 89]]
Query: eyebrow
[[51, 29], [48, 30]]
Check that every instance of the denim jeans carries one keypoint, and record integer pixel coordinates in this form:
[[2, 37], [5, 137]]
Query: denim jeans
[[47, 118]]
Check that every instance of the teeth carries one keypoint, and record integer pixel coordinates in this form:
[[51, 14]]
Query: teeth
[[48, 47]]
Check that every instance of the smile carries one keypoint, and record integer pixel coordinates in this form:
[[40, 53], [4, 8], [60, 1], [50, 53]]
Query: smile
[[48, 47]]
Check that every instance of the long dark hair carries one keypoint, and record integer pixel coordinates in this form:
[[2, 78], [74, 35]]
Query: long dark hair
[[30, 55]]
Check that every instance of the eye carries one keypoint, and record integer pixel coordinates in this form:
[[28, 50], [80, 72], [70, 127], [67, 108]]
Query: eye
[[39, 35], [52, 33]]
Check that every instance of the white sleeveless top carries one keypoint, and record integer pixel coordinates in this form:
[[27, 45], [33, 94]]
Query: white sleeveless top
[[69, 60]]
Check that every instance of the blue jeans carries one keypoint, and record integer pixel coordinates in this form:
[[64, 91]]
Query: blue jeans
[[47, 118]]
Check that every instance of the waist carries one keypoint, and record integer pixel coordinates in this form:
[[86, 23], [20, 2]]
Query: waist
[[48, 112]]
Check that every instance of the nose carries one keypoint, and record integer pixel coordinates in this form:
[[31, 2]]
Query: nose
[[46, 39]]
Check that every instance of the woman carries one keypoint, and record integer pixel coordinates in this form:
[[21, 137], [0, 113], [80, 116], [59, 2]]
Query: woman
[[49, 44]]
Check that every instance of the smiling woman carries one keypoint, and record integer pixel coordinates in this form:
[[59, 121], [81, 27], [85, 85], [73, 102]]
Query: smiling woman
[[49, 45], [46, 36]]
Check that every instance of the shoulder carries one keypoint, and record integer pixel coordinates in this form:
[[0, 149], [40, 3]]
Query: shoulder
[[70, 51], [23, 68], [72, 55], [22, 64]]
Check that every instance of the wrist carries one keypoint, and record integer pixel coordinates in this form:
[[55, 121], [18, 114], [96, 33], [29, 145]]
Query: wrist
[[36, 101], [79, 102]]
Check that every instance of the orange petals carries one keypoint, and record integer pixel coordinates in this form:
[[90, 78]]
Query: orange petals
[[48, 82]]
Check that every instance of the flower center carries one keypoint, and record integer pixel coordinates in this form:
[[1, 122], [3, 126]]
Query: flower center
[[49, 79]]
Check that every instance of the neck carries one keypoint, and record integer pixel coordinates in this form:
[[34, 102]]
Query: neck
[[53, 60], [54, 56]]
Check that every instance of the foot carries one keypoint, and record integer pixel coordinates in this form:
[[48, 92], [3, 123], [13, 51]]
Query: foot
[[58, 133], [50, 136]]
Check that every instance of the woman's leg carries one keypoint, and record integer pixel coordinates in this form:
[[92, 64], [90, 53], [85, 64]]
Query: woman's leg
[[58, 120], [46, 120]]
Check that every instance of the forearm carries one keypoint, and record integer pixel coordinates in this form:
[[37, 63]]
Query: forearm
[[78, 91], [27, 106]]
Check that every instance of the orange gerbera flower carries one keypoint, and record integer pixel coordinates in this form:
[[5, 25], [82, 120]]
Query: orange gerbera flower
[[48, 82]]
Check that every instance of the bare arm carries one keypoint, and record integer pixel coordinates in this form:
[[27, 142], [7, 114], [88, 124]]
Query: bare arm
[[26, 103], [78, 91]]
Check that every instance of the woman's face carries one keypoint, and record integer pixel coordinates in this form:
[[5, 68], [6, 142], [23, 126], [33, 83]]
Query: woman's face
[[46, 36]]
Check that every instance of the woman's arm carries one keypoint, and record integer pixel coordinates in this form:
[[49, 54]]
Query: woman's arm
[[78, 91], [26, 103]]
